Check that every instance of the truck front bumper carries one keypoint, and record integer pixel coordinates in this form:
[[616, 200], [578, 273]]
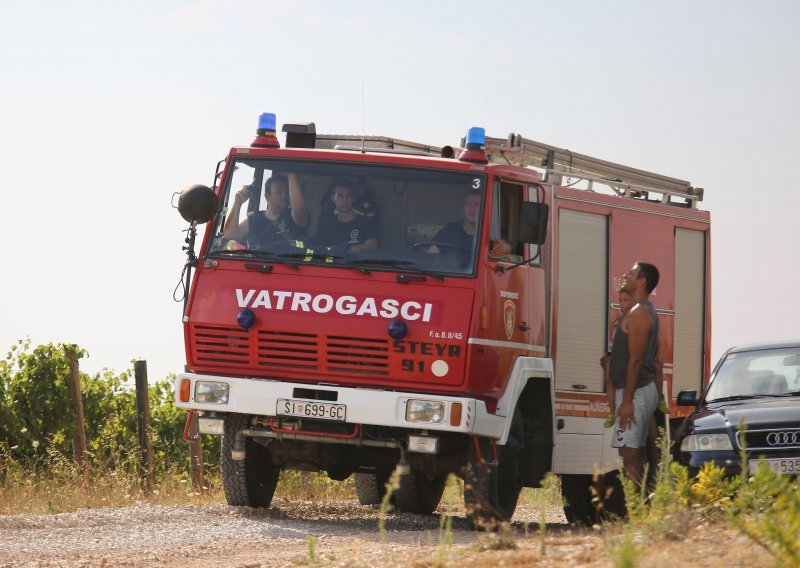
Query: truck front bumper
[[363, 405]]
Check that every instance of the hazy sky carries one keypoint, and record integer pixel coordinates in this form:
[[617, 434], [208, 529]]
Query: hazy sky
[[108, 108]]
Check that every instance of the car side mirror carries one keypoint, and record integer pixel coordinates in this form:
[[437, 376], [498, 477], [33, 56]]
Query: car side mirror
[[533, 222], [687, 398]]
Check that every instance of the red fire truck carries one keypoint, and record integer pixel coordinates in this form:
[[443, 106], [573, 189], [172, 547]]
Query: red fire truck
[[454, 326]]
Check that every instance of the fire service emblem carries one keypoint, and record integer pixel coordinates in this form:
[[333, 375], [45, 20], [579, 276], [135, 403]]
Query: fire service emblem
[[509, 313]]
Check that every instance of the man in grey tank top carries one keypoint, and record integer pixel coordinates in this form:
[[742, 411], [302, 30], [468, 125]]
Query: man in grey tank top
[[632, 369]]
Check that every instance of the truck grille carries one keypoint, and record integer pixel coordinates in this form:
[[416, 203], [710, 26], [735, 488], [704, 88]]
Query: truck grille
[[777, 440], [218, 344], [295, 350], [277, 350]]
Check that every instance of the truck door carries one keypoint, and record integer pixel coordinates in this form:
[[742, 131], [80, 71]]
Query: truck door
[[690, 264], [582, 312], [508, 302]]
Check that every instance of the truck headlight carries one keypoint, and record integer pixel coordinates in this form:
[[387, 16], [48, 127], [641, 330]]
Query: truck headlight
[[207, 392], [431, 411], [706, 443]]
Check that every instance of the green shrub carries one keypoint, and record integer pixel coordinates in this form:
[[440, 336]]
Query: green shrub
[[767, 509]]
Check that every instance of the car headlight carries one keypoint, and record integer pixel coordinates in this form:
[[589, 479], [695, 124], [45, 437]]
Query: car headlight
[[706, 443], [431, 411], [208, 392]]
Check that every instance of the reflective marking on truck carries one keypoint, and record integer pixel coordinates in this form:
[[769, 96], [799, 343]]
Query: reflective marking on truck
[[507, 344]]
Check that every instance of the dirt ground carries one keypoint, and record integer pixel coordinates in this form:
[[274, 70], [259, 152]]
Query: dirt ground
[[343, 533]]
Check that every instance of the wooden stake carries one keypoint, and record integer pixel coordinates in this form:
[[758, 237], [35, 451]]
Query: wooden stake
[[79, 435], [143, 426]]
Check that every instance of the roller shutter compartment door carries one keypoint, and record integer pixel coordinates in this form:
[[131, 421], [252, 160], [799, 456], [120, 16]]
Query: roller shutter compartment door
[[582, 300], [687, 355]]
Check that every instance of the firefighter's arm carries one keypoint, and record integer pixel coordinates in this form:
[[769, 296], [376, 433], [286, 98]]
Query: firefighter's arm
[[370, 243], [658, 370], [233, 229], [609, 386], [499, 248], [300, 212]]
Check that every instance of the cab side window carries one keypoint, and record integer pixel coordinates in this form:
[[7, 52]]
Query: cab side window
[[505, 218]]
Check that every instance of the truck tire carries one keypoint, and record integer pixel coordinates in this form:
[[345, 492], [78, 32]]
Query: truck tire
[[418, 494], [371, 487], [249, 482], [491, 492], [582, 503], [577, 496]]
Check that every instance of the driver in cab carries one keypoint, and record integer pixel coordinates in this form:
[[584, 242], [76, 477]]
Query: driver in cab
[[460, 235], [285, 218]]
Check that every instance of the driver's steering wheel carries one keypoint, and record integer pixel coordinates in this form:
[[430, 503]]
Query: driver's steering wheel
[[416, 246]]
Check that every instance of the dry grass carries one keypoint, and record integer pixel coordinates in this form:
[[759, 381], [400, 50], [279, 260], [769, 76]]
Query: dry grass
[[700, 537], [61, 493]]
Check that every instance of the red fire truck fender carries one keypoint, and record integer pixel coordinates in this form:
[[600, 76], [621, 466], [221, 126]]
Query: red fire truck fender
[[525, 369]]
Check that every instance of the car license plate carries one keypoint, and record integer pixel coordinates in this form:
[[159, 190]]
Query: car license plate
[[788, 466], [307, 409]]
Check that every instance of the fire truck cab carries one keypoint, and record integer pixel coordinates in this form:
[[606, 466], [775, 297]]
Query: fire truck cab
[[362, 305]]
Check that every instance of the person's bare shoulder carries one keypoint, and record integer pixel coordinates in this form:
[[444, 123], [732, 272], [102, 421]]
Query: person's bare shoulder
[[638, 319]]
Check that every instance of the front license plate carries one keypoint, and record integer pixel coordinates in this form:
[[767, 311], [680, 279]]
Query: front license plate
[[306, 409], [788, 466]]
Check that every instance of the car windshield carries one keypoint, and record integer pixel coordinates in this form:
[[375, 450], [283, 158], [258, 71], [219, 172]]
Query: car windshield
[[767, 372], [374, 217]]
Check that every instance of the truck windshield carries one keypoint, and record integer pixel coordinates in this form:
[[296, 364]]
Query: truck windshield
[[375, 217]]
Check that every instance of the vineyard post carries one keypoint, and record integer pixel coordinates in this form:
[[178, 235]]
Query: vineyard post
[[143, 426], [79, 435]]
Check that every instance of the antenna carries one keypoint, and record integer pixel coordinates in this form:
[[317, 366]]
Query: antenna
[[363, 120]]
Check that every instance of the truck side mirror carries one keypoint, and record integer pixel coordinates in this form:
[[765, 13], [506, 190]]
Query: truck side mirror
[[687, 398], [533, 222], [197, 204]]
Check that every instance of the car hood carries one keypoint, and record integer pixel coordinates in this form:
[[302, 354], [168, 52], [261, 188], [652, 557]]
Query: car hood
[[756, 413]]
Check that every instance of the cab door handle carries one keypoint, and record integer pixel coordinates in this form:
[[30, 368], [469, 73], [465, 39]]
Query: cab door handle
[[523, 326]]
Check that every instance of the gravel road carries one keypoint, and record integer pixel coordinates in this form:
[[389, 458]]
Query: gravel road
[[345, 533]]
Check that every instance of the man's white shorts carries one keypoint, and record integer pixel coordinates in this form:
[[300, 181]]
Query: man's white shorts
[[645, 401]]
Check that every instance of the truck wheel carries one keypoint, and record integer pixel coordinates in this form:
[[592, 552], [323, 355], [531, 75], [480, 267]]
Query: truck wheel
[[249, 482], [576, 492], [371, 487], [491, 492], [418, 494], [586, 506]]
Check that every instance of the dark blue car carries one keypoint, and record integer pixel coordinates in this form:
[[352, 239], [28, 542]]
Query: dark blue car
[[759, 386]]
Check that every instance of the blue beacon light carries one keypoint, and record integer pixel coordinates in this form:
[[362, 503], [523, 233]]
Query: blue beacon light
[[265, 135], [266, 121], [476, 135], [474, 146], [398, 329], [246, 318]]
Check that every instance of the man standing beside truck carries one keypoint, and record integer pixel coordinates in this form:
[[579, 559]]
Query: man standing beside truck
[[632, 369]]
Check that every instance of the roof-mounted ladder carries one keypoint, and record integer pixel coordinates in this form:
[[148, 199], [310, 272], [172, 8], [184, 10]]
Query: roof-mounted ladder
[[624, 180], [372, 143], [555, 162]]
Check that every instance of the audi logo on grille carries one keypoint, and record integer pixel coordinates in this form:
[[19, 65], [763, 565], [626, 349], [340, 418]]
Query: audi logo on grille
[[783, 438]]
